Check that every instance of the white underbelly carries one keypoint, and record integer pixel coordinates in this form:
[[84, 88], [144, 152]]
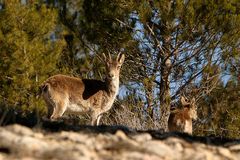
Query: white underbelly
[[76, 108]]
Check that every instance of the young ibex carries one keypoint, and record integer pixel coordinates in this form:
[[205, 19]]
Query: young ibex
[[74, 95], [181, 118]]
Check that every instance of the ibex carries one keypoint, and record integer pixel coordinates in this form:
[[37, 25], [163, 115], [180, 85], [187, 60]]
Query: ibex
[[180, 119], [65, 94]]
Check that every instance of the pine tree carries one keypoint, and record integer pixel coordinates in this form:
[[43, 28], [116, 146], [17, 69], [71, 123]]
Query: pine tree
[[219, 111], [29, 52]]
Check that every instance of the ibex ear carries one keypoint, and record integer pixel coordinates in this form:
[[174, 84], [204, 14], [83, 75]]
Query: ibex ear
[[121, 58], [193, 101]]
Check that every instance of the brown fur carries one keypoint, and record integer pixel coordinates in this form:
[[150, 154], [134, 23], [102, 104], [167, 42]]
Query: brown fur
[[75, 95], [181, 118]]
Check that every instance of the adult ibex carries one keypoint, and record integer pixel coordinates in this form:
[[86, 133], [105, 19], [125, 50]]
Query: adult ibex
[[77, 96]]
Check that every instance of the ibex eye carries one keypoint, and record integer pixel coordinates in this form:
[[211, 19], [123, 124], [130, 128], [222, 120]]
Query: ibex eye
[[118, 67]]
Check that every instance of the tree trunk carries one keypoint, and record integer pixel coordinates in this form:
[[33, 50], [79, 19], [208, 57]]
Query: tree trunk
[[165, 98], [148, 85]]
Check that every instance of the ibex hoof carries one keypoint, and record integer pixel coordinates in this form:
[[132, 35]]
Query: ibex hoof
[[53, 119]]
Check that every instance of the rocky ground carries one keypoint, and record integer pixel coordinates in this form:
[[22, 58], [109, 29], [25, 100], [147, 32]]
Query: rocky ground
[[107, 143]]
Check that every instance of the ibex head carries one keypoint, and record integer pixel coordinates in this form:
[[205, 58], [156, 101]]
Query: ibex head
[[113, 66], [191, 106]]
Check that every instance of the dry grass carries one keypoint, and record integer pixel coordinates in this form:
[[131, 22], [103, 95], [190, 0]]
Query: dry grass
[[125, 116]]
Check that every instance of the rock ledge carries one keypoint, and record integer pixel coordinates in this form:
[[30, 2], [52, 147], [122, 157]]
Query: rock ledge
[[19, 142]]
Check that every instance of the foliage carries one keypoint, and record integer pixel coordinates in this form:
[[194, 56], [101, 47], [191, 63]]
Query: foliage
[[92, 28], [29, 52], [219, 112]]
